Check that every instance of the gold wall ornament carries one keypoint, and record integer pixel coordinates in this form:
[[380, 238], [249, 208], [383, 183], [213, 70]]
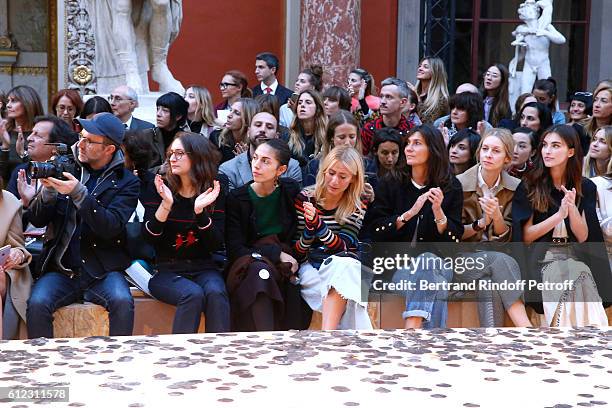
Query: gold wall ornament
[[5, 42], [30, 71], [82, 75]]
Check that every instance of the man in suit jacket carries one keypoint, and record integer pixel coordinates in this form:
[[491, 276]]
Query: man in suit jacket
[[123, 101], [266, 67], [238, 170]]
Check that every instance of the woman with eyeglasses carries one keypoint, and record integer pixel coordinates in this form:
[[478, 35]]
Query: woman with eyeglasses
[[330, 215], [200, 115], [602, 108], [67, 105], [496, 95], [555, 208], [232, 139], [422, 207], [581, 107], [233, 86], [261, 223], [22, 106], [487, 208], [309, 78], [186, 225]]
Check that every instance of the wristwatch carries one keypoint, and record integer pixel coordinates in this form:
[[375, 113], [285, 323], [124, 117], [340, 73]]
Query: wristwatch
[[476, 226]]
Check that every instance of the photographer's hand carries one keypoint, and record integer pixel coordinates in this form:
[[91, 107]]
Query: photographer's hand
[[62, 186]]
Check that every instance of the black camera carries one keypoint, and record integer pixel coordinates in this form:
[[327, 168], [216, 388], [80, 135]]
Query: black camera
[[61, 162]]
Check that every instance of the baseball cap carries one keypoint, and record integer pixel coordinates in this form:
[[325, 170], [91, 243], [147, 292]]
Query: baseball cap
[[105, 124]]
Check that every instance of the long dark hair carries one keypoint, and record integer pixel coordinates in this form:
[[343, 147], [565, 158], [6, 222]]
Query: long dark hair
[[473, 139], [204, 158], [438, 167], [544, 115], [392, 135], [539, 182], [501, 102]]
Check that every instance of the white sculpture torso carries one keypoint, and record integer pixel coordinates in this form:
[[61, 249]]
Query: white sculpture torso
[[133, 36], [532, 44]]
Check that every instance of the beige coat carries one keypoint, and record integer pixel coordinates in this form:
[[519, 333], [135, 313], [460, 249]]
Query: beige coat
[[11, 233], [471, 207]]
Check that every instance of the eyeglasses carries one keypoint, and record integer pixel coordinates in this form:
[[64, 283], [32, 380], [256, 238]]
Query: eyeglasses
[[224, 85], [115, 98], [178, 154], [87, 142], [491, 74], [583, 94]]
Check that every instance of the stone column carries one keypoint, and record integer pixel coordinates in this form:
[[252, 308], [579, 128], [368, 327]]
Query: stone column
[[331, 31], [8, 55]]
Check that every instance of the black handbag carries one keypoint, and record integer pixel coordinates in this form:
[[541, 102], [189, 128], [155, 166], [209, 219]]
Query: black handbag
[[137, 247]]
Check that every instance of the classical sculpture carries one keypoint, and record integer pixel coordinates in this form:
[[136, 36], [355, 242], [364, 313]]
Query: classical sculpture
[[532, 40], [133, 36]]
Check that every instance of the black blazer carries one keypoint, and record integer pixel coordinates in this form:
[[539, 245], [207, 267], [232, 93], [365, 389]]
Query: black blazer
[[393, 198], [282, 94], [139, 124], [241, 226]]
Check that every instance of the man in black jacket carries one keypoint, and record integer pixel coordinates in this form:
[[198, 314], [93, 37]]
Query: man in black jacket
[[84, 251], [266, 68]]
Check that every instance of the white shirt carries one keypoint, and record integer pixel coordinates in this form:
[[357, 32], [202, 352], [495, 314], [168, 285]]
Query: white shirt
[[273, 87], [129, 122], [486, 191]]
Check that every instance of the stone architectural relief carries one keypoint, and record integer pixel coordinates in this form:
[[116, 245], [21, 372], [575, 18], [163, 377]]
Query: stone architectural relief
[[331, 30], [80, 48]]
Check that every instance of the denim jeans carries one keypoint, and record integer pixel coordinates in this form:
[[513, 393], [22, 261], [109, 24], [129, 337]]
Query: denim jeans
[[193, 288], [429, 304], [54, 290]]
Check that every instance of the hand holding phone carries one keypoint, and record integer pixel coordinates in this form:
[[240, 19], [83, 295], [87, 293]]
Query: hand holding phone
[[5, 254]]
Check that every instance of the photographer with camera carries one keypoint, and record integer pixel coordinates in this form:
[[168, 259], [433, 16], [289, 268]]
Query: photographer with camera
[[84, 254], [47, 134]]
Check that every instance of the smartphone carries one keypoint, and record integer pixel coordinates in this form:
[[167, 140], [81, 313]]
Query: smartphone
[[294, 97], [5, 253]]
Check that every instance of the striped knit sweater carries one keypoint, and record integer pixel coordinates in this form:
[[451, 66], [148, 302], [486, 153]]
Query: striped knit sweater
[[324, 231]]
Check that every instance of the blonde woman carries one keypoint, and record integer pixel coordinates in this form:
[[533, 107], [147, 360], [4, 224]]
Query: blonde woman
[[330, 215], [200, 115], [487, 217], [232, 139], [307, 132], [597, 161], [432, 90], [602, 108]]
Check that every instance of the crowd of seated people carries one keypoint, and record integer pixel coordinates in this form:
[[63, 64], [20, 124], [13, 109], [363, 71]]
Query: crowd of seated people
[[256, 211]]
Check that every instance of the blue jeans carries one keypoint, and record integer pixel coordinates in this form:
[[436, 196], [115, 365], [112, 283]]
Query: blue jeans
[[429, 304], [193, 289], [54, 290]]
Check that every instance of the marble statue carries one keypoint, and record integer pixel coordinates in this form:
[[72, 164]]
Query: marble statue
[[133, 37], [532, 41]]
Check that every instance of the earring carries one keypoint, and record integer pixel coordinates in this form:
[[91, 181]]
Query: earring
[[276, 184]]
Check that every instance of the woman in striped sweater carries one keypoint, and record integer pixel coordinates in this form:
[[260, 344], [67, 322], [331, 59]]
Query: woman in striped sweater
[[330, 215]]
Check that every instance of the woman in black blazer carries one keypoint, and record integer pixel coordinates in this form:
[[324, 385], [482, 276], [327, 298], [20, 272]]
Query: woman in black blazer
[[424, 206]]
